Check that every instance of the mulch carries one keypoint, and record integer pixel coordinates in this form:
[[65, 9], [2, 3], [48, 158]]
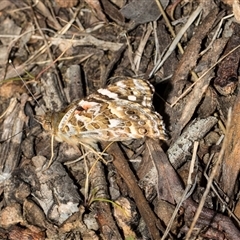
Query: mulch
[[54, 53]]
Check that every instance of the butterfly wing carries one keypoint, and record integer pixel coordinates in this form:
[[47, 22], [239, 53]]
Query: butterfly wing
[[120, 112], [133, 90]]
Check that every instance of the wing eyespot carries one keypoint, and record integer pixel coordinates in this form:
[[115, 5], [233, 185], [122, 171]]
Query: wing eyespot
[[142, 131]]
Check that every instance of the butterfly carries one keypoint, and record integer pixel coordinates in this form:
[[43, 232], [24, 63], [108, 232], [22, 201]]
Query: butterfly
[[120, 112]]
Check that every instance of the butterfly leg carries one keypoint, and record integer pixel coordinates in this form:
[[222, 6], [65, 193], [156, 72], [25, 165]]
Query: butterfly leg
[[105, 157]]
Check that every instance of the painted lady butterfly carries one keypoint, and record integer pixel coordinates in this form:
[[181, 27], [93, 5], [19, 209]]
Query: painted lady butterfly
[[122, 111]]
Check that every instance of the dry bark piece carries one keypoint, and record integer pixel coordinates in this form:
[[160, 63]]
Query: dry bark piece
[[112, 11], [34, 215], [115, 57], [217, 224], [55, 191], [190, 56], [90, 221], [105, 221], [75, 225], [147, 173], [74, 84], [208, 104], [11, 215], [227, 75], [164, 210], [178, 152], [25, 234], [16, 190], [52, 189], [11, 136], [126, 216], [54, 97], [231, 162]]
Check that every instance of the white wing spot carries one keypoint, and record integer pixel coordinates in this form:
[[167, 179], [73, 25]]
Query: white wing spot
[[132, 98], [114, 123], [108, 93], [121, 84]]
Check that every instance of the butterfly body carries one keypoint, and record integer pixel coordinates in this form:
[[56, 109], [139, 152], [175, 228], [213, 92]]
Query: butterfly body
[[122, 111]]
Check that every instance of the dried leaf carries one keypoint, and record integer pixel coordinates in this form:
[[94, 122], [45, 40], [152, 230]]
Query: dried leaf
[[169, 184]]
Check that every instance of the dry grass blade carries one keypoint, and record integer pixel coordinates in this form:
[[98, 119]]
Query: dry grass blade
[[140, 50], [176, 41]]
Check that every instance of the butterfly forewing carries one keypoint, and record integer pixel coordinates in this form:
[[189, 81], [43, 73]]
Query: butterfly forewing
[[133, 90]]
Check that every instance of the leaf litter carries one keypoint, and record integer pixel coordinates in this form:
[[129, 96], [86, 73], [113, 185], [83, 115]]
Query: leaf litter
[[75, 48]]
